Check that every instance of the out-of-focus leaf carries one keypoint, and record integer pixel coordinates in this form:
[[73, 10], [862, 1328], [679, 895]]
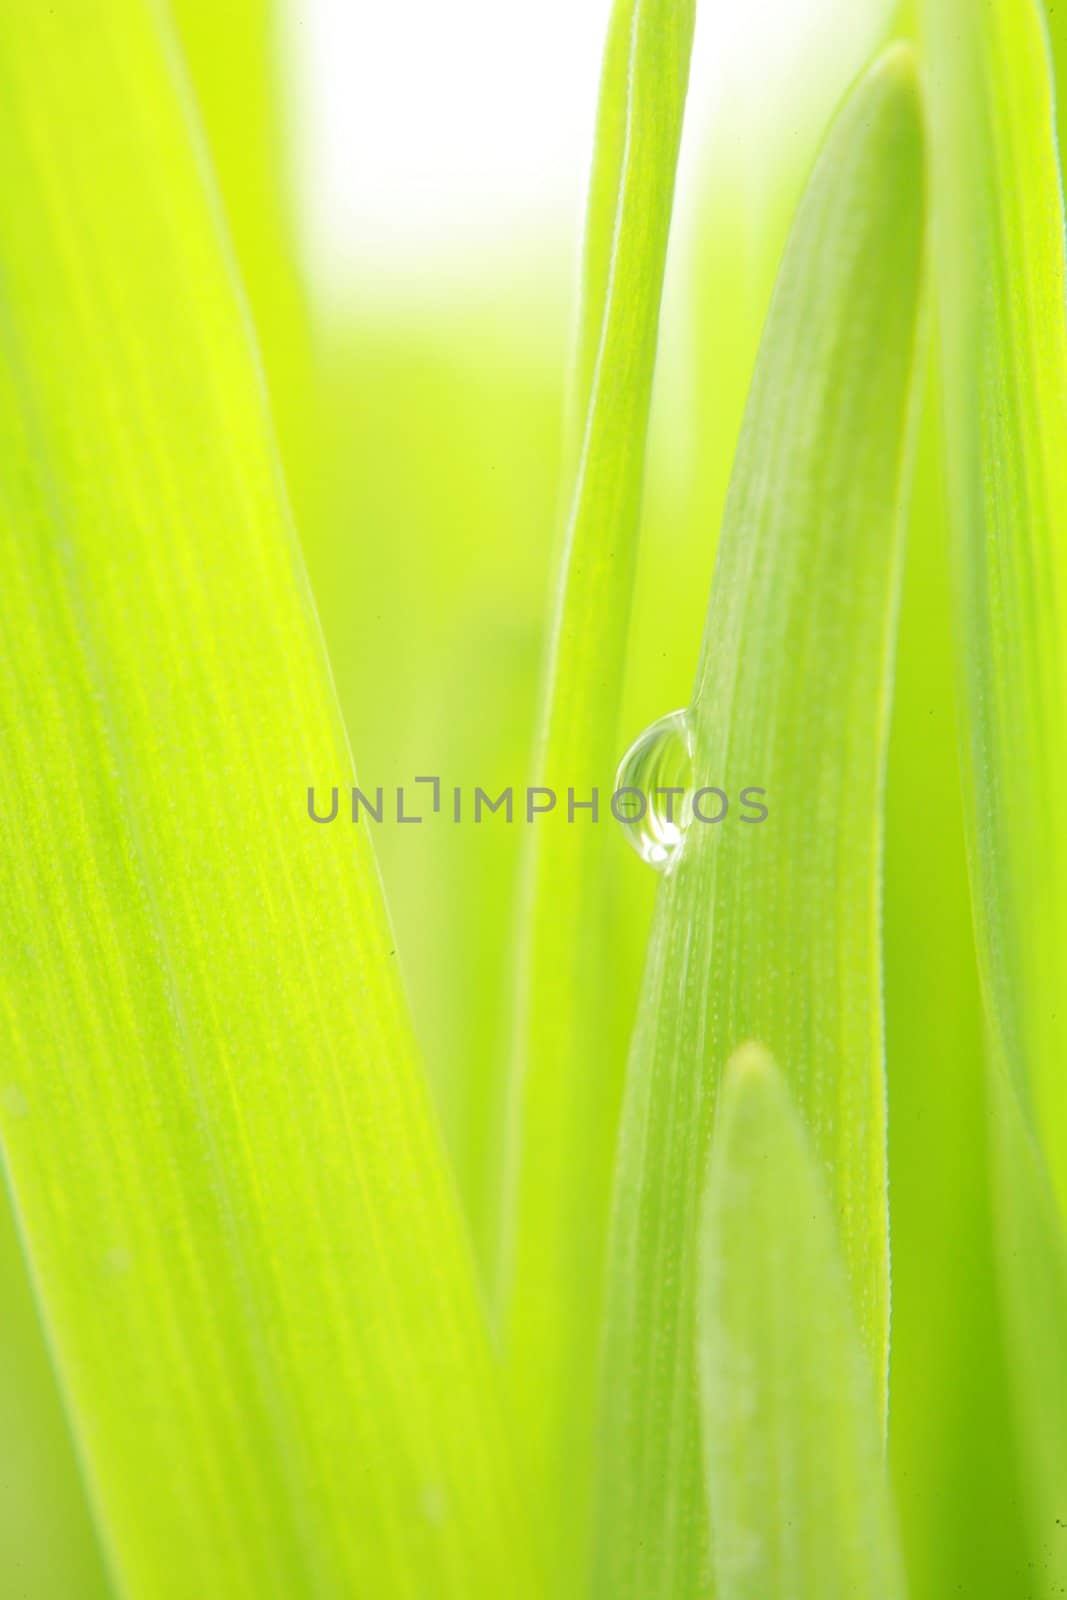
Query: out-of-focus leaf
[[956, 1485], [568, 1059], [1004, 342], [440, 430], [217, 1133], [48, 1546], [1033, 1257], [1056, 22], [797, 1486], [767, 82], [1000, 254], [770, 930]]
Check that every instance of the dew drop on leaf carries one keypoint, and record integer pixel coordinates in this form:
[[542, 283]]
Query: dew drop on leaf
[[654, 790]]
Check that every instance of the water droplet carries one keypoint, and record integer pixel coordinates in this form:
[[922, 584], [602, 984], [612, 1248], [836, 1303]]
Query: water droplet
[[654, 789]]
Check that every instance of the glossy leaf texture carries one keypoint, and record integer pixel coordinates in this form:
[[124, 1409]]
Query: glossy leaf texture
[[770, 931], [247, 1248], [797, 1488]]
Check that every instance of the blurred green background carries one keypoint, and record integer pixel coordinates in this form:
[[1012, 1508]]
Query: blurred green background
[[420, 423]]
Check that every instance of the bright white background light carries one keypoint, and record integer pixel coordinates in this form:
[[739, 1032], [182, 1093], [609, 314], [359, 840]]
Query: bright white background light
[[437, 130], [442, 127]]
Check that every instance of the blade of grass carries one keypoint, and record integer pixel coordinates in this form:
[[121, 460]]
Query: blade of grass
[[748, 166], [956, 1485], [771, 931], [753, 160], [1028, 1236], [234, 56], [45, 1535], [1004, 344], [1001, 282], [568, 1057], [217, 1133], [48, 1545], [44, 1530], [797, 1487], [1056, 23]]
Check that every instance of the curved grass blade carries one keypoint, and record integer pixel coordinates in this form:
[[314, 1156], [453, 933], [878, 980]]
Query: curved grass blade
[[797, 1486], [217, 1133], [1001, 277], [569, 1047], [770, 931]]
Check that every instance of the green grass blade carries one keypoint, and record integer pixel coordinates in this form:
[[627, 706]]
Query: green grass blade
[[1029, 1240], [797, 1486], [45, 1533], [956, 1487], [569, 1056], [217, 1132], [1004, 347], [47, 1538], [1001, 280], [1056, 23], [235, 62], [770, 932]]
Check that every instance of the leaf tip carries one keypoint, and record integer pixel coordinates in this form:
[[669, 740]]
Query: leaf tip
[[750, 1064], [898, 64], [893, 82]]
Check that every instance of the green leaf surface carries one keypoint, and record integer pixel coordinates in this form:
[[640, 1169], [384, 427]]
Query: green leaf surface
[[214, 1123], [1001, 286], [48, 1545], [1004, 347], [1056, 23], [1032, 1254], [770, 931], [45, 1534], [235, 59], [793, 1443], [956, 1486], [568, 1056]]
